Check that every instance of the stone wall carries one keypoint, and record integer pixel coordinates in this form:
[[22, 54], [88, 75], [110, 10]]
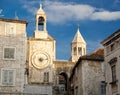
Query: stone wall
[[91, 77], [17, 41]]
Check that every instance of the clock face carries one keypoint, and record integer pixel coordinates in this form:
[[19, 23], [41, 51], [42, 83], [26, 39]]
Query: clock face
[[40, 60]]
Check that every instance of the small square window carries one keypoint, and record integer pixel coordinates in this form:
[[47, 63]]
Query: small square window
[[9, 53]]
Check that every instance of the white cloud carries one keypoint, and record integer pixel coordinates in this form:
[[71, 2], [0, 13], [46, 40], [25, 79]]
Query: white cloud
[[29, 6], [106, 16], [59, 12], [29, 9]]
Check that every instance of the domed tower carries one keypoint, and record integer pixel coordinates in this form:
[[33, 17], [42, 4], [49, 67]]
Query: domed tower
[[78, 46]]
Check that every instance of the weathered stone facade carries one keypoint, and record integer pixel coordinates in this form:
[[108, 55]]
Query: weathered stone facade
[[87, 75], [29, 65], [12, 37], [41, 54], [62, 73], [112, 63]]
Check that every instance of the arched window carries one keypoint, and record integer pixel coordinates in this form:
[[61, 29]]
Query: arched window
[[41, 23], [75, 51], [79, 50]]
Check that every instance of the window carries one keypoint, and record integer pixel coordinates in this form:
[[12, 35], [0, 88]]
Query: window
[[76, 72], [107, 49], [79, 50], [10, 29], [112, 63], [75, 51], [112, 47], [46, 76], [8, 77], [9, 53], [103, 88], [113, 68]]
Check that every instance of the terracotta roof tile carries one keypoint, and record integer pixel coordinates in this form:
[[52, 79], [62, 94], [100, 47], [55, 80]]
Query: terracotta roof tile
[[97, 55]]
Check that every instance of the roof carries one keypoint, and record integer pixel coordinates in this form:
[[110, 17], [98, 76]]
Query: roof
[[78, 37], [111, 38], [13, 20], [49, 38], [63, 62], [95, 56]]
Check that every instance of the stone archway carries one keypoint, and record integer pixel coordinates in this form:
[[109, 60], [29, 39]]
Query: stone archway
[[64, 77]]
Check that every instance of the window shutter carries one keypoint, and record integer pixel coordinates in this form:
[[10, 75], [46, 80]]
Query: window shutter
[[46, 76], [8, 77]]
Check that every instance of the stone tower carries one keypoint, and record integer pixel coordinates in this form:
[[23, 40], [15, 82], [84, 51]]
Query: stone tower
[[78, 46], [41, 54]]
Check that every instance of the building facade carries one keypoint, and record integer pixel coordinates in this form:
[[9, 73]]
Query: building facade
[[112, 63], [41, 54], [29, 65], [12, 55], [87, 75]]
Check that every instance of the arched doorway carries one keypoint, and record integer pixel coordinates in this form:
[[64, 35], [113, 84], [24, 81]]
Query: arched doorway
[[63, 82]]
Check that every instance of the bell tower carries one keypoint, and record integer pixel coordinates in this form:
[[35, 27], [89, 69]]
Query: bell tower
[[78, 46], [41, 55], [40, 31]]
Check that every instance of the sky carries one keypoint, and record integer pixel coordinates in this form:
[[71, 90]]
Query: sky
[[97, 19]]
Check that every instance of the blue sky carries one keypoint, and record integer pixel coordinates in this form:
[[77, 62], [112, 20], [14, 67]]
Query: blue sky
[[97, 19]]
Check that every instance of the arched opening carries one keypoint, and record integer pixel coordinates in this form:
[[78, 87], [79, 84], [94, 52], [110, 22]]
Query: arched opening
[[41, 21], [75, 51], [63, 80], [80, 51]]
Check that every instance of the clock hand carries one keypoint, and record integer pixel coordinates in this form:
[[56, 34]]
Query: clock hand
[[41, 59], [46, 59]]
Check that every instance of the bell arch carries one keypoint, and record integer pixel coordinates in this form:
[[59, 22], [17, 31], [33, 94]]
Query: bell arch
[[41, 23]]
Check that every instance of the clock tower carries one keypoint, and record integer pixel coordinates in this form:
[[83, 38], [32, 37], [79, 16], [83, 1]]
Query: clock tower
[[41, 54]]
